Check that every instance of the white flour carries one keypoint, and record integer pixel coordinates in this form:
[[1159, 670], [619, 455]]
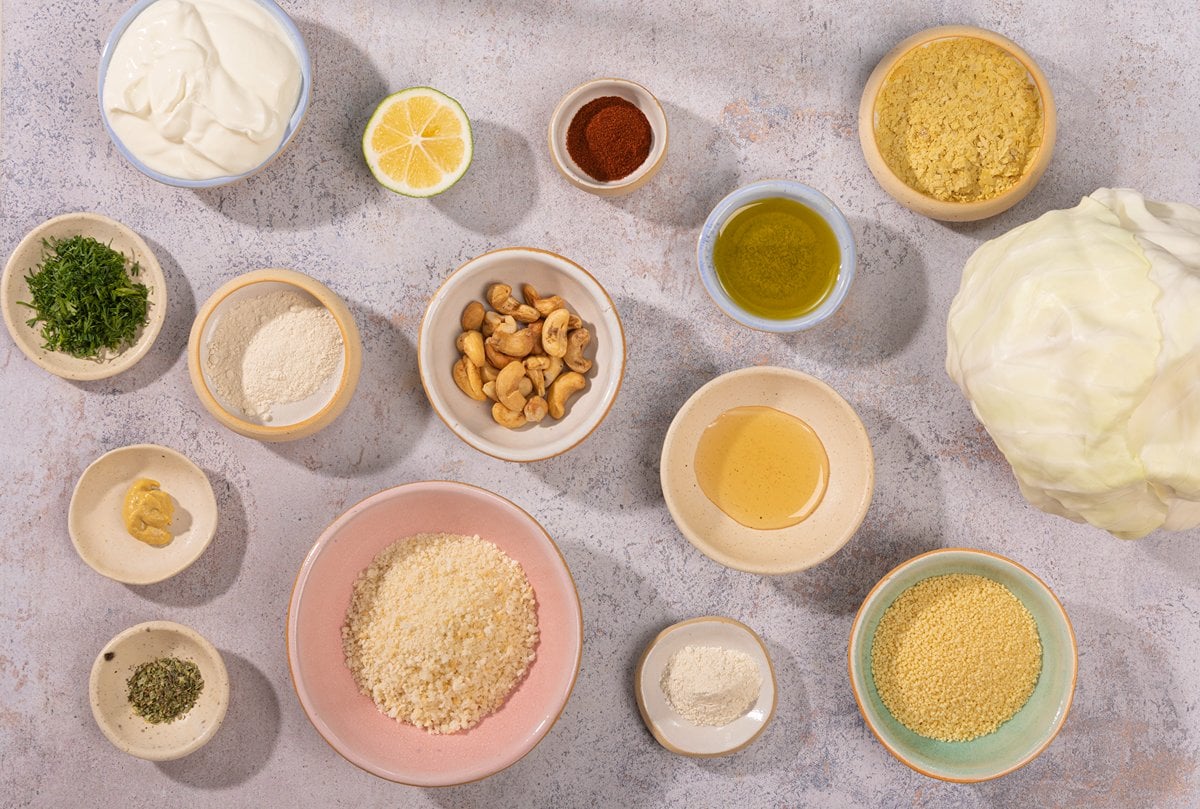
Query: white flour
[[272, 349], [709, 685]]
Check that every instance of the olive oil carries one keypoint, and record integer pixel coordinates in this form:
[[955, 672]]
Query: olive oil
[[777, 258], [764, 468]]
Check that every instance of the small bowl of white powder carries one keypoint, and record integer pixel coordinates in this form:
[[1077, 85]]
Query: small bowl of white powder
[[274, 355], [706, 687]]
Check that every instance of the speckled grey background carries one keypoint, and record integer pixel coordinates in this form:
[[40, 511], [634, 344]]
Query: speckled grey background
[[758, 90]]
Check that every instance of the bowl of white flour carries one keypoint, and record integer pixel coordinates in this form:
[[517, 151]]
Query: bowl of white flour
[[274, 355]]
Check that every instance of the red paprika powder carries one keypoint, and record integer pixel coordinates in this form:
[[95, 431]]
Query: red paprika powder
[[609, 138]]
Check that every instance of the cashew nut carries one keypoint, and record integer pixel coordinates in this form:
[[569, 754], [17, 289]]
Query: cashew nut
[[507, 325], [554, 332], [534, 368], [470, 343], [501, 299], [535, 409], [466, 376], [489, 372], [576, 342], [489, 389], [544, 305], [490, 321], [472, 316], [497, 358], [518, 344], [551, 373], [512, 419], [527, 314], [563, 388], [573, 322], [508, 392]]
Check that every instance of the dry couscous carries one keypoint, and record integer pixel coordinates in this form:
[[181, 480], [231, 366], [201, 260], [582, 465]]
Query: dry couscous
[[956, 656], [440, 629], [958, 120]]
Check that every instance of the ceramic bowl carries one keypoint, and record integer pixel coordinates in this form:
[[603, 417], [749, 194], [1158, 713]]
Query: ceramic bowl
[[1019, 740], [292, 420], [551, 274], [785, 550], [108, 691], [98, 530], [672, 730], [812, 199], [293, 124], [914, 200], [347, 719], [572, 102], [28, 255]]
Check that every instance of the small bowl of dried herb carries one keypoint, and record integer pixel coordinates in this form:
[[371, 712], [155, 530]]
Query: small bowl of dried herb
[[83, 296], [159, 690], [608, 136], [957, 123]]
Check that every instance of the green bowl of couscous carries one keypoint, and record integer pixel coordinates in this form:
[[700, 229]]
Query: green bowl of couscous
[[963, 664]]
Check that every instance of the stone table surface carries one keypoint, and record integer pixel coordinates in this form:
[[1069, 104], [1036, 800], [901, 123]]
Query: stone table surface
[[766, 89]]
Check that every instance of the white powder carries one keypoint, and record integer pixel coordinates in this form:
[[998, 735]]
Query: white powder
[[709, 685], [272, 349]]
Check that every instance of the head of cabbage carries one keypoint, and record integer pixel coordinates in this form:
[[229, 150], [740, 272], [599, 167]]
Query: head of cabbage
[[1076, 338]]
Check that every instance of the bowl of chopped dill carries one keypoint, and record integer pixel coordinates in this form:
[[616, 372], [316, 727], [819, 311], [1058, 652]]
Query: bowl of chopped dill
[[83, 296], [159, 690]]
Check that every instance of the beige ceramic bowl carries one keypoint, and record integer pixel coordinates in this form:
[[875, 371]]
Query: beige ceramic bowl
[[786, 550], [25, 259], [677, 733], [572, 102], [929, 206], [551, 274], [108, 691], [292, 420], [98, 530]]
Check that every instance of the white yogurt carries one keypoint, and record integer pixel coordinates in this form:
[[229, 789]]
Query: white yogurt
[[197, 89]]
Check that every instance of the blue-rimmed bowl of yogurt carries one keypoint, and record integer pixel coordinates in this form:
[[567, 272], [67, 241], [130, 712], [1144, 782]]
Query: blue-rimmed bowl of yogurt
[[201, 93]]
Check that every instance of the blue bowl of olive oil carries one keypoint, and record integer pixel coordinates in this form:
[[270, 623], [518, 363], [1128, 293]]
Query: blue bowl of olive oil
[[777, 256]]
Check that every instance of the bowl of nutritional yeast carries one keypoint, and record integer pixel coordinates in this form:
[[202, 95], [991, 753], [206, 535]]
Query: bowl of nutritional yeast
[[963, 664]]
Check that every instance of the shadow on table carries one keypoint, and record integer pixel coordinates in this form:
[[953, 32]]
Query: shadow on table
[[171, 341], [244, 743], [700, 169], [321, 177], [1124, 738], [499, 189], [218, 567], [884, 308], [600, 738], [617, 466], [385, 416], [904, 520]]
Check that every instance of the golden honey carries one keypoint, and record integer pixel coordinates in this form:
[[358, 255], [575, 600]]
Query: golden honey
[[764, 468]]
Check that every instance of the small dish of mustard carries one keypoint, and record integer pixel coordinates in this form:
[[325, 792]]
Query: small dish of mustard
[[142, 513]]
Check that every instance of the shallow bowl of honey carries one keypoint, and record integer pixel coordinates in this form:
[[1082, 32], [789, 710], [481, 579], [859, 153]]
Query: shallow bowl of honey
[[777, 256], [767, 470]]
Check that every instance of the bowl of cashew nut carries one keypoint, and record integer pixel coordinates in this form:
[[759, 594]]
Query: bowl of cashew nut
[[521, 353]]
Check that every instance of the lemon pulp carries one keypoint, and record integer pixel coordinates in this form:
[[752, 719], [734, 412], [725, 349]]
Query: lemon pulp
[[418, 142]]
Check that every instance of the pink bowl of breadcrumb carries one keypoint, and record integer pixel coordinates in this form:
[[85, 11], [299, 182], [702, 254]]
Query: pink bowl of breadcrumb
[[348, 719]]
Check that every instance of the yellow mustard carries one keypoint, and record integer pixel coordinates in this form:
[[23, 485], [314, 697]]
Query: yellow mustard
[[148, 512]]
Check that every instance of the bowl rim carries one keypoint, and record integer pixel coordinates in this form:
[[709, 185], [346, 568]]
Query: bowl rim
[[813, 199], [294, 121], [722, 558], [351, 346], [856, 638], [629, 183], [221, 696], [943, 210], [478, 442], [653, 727], [302, 579], [188, 463], [84, 222]]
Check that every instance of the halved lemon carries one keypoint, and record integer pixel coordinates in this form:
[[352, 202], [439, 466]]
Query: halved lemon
[[418, 142]]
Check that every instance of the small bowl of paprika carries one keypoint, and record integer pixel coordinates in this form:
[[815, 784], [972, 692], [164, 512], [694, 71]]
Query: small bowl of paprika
[[608, 136]]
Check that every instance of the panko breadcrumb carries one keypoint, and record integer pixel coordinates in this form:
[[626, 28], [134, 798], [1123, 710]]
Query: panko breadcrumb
[[956, 656], [440, 629]]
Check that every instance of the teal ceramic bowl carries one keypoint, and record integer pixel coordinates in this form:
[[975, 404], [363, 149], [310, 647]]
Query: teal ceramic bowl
[[1019, 740]]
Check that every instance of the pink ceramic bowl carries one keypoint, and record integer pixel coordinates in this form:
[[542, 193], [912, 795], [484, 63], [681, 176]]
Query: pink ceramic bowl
[[349, 720]]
